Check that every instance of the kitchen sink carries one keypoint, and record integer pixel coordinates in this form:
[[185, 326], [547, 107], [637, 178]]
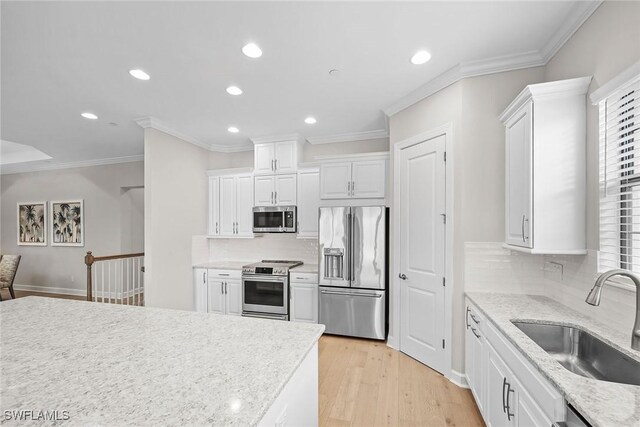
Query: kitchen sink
[[582, 353]]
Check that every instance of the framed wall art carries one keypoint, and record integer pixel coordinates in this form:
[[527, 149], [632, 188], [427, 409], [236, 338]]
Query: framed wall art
[[32, 224], [67, 223]]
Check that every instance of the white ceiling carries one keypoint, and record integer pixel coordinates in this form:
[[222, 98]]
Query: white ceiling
[[60, 59]]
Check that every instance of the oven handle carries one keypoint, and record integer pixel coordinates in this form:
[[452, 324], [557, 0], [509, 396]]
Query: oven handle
[[265, 316], [261, 278], [349, 294]]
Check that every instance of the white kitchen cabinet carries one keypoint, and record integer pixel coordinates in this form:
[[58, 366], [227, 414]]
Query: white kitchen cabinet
[[545, 163], [359, 177], [277, 155], [218, 291], [200, 289], [303, 303], [308, 202], [368, 179], [275, 190], [474, 354], [214, 206], [234, 207], [507, 388]]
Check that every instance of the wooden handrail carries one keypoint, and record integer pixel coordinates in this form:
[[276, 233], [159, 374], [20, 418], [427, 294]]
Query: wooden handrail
[[89, 260]]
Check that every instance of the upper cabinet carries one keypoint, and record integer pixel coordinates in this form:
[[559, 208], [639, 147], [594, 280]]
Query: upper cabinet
[[277, 155], [308, 202], [278, 190], [357, 177], [545, 169], [230, 203]]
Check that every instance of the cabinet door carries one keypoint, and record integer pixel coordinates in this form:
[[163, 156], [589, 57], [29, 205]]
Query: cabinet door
[[264, 190], [519, 179], [335, 181], [308, 203], [227, 205], [244, 205], [264, 156], [368, 179], [285, 187], [495, 390], [304, 302], [474, 356], [200, 289], [216, 298], [234, 297], [286, 157], [214, 206], [527, 411]]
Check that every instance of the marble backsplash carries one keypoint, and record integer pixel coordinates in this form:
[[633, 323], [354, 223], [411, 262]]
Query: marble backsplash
[[565, 278]]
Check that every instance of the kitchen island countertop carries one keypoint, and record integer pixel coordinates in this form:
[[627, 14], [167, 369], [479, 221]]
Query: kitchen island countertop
[[123, 365]]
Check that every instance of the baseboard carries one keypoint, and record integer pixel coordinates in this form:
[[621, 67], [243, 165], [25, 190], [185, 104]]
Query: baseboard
[[50, 290], [458, 379]]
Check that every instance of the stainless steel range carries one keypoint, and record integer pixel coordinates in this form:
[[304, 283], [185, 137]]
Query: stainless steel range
[[265, 289]]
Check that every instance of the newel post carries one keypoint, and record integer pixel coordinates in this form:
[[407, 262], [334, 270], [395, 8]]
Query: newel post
[[88, 260]]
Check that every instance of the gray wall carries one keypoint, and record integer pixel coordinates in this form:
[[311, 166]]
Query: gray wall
[[62, 269]]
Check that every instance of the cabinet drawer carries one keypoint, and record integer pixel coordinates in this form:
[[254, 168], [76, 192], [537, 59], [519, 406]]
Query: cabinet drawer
[[541, 391], [473, 318], [303, 277], [224, 274]]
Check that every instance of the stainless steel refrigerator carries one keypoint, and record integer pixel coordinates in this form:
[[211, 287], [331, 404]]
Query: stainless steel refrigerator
[[352, 248]]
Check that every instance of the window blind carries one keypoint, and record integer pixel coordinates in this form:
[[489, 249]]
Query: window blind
[[620, 179]]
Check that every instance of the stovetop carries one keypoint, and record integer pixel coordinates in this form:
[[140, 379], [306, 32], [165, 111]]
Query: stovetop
[[271, 267]]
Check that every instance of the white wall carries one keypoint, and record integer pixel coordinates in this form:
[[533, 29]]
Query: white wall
[[472, 107], [175, 210], [62, 269]]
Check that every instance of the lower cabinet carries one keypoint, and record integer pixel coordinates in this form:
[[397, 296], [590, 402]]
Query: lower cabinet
[[303, 303], [508, 390], [217, 291]]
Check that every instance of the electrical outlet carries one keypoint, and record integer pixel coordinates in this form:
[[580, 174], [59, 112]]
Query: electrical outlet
[[553, 270]]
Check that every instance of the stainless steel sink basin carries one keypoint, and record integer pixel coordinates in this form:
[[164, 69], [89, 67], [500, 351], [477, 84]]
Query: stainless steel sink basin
[[582, 353]]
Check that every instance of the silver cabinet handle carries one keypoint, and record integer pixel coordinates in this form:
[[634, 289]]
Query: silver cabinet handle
[[275, 198], [204, 277], [402, 276], [504, 402], [276, 164], [352, 294], [466, 318], [272, 197], [523, 229], [353, 188], [526, 220], [221, 288], [223, 274], [348, 188], [474, 318], [475, 332], [509, 390], [272, 167], [216, 227], [225, 288]]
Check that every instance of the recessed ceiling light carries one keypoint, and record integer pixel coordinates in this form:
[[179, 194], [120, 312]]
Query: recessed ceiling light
[[233, 129], [139, 74], [420, 57], [89, 116], [310, 120], [252, 50], [234, 90]]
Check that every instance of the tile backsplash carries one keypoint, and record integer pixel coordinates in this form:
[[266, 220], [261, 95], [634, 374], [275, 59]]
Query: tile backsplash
[[565, 278], [268, 246]]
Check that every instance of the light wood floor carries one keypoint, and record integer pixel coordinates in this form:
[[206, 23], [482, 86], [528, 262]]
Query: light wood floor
[[365, 383]]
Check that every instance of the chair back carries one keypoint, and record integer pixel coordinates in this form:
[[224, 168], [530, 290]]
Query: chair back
[[8, 269]]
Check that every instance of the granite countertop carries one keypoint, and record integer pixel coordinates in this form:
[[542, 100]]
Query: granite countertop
[[599, 402], [123, 365], [306, 268], [223, 265]]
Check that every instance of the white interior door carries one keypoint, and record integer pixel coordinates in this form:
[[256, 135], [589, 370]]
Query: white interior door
[[422, 252]]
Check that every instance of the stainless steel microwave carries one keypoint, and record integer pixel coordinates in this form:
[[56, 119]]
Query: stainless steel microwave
[[274, 219]]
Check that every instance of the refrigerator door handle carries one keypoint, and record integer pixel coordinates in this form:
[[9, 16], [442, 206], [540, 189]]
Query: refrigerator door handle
[[349, 246]]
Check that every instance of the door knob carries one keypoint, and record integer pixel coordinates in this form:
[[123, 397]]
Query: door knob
[[402, 276]]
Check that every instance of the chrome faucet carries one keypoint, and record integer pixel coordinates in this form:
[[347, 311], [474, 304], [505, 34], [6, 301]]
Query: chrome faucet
[[594, 299]]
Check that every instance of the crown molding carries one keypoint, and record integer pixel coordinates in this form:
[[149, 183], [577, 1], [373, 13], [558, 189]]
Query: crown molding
[[154, 123], [276, 138], [40, 166], [580, 12], [349, 137]]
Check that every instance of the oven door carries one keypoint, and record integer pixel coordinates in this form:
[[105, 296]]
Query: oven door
[[265, 294]]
